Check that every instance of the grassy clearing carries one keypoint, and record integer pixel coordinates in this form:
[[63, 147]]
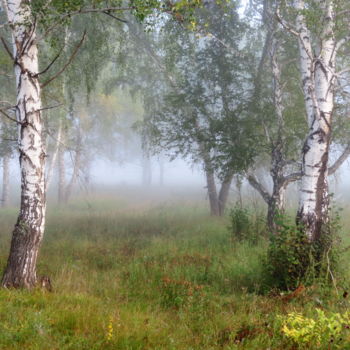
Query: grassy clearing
[[151, 277]]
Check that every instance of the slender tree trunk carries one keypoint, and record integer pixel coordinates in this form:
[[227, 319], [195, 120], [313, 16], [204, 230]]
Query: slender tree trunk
[[317, 73], [61, 171], [76, 167], [28, 232], [54, 156], [5, 181], [212, 193], [239, 189], [161, 171], [275, 206], [146, 170], [224, 193]]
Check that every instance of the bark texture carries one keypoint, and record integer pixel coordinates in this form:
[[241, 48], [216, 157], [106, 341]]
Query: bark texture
[[28, 233], [224, 193], [317, 67]]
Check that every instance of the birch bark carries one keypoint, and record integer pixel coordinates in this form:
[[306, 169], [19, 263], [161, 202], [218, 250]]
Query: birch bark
[[28, 232], [317, 74]]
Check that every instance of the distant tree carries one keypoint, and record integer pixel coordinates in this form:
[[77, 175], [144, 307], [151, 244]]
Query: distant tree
[[194, 108]]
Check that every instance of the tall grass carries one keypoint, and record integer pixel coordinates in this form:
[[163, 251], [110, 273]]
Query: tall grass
[[144, 276]]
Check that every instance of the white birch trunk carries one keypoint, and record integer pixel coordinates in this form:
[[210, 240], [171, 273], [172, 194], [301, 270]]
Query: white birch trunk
[[317, 74], [27, 235]]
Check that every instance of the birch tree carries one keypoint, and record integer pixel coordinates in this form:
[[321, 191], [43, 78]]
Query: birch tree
[[24, 19], [319, 44], [27, 235]]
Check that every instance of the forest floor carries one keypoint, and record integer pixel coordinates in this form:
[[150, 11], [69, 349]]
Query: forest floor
[[141, 275]]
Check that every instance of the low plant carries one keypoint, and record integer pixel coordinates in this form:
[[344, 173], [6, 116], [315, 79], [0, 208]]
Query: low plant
[[321, 330], [246, 225], [180, 293]]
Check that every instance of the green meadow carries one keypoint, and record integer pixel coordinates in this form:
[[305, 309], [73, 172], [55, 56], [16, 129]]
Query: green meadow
[[131, 273]]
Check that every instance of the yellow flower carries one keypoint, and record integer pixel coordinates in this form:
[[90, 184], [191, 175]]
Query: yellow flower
[[110, 329]]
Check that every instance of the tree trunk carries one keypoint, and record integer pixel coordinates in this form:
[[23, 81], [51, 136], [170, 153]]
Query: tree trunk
[[161, 171], [61, 171], [212, 193], [317, 73], [5, 181], [76, 166], [28, 232], [146, 170], [275, 206], [54, 155], [224, 193]]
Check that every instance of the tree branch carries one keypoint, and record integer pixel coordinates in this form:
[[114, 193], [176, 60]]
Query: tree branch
[[342, 158], [253, 181], [292, 178], [108, 13], [67, 64], [285, 24], [50, 65], [9, 117]]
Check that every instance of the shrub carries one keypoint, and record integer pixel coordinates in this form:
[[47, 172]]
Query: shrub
[[292, 259], [245, 225]]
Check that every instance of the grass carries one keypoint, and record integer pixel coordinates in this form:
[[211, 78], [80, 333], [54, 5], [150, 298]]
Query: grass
[[131, 275]]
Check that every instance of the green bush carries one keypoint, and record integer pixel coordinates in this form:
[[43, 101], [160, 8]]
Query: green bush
[[246, 225], [293, 260]]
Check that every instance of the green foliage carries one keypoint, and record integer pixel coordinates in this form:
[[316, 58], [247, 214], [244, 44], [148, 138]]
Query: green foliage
[[293, 259], [246, 225], [289, 256], [322, 331]]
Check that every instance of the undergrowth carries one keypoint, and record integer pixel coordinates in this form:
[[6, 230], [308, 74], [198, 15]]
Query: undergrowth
[[170, 277]]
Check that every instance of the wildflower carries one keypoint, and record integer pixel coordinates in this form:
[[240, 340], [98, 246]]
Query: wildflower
[[110, 329]]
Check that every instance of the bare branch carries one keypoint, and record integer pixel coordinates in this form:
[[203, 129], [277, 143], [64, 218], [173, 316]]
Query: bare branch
[[342, 158], [68, 62], [253, 181], [9, 117], [108, 13], [87, 11], [50, 65], [51, 107], [292, 178], [290, 28]]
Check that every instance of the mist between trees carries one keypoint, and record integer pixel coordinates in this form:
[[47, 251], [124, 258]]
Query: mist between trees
[[252, 95]]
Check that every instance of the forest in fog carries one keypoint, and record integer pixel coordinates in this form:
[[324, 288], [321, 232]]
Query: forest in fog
[[174, 174]]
